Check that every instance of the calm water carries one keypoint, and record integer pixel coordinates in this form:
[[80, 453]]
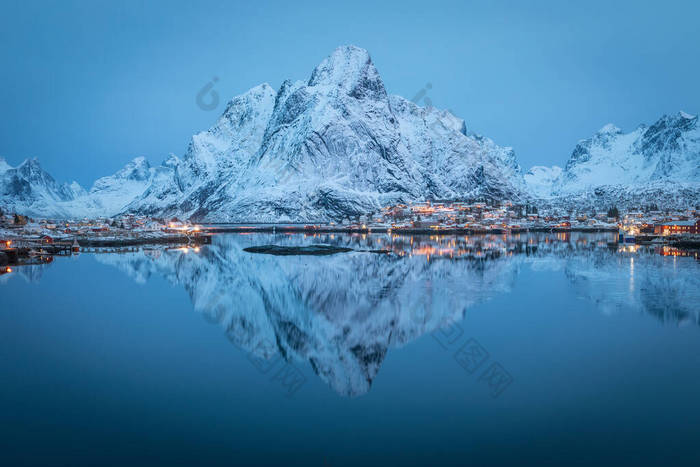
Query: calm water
[[554, 349]]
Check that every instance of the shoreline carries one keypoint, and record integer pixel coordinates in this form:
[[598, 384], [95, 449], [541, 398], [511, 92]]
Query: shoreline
[[34, 251], [284, 228], [138, 241], [27, 249]]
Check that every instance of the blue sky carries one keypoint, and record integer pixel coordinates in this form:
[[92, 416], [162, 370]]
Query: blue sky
[[87, 86]]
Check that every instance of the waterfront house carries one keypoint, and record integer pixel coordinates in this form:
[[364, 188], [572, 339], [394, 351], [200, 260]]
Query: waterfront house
[[677, 227]]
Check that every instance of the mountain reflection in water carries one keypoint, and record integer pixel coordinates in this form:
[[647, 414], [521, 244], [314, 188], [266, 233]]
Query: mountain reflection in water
[[342, 312]]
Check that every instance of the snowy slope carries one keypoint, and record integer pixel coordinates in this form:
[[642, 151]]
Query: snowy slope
[[540, 180]]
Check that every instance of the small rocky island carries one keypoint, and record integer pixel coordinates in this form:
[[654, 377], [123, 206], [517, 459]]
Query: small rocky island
[[313, 250]]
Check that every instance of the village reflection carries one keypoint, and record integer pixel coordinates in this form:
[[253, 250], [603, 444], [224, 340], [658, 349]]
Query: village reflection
[[672, 251], [474, 246]]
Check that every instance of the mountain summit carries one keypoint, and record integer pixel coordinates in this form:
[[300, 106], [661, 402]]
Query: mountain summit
[[350, 69]]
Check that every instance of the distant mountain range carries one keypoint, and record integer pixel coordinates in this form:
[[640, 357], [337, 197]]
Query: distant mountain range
[[657, 164], [338, 146]]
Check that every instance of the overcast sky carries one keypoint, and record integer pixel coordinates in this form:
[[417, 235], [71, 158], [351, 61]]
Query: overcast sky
[[87, 86]]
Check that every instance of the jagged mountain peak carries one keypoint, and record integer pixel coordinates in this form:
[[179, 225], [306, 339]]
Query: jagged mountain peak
[[672, 126], [251, 96], [30, 164], [4, 166], [228, 145], [138, 161], [609, 129], [30, 169], [171, 161], [137, 169], [349, 68]]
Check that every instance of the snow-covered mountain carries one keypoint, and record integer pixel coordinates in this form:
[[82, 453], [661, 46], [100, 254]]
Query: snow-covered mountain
[[338, 146], [29, 189], [112, 194], [653, 164], [334, 146]]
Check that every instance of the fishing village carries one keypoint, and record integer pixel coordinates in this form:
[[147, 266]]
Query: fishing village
[[26, 240]]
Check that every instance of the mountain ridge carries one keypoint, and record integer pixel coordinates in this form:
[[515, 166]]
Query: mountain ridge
[[657, 163], [338, 145]]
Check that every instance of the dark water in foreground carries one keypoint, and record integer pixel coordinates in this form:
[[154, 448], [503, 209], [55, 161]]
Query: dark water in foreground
[[552, 349]]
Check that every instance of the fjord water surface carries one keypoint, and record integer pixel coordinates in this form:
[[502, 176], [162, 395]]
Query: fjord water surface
[[553, 348]]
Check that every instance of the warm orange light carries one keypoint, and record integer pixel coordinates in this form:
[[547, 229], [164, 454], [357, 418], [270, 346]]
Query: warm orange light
[[8, 270]]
